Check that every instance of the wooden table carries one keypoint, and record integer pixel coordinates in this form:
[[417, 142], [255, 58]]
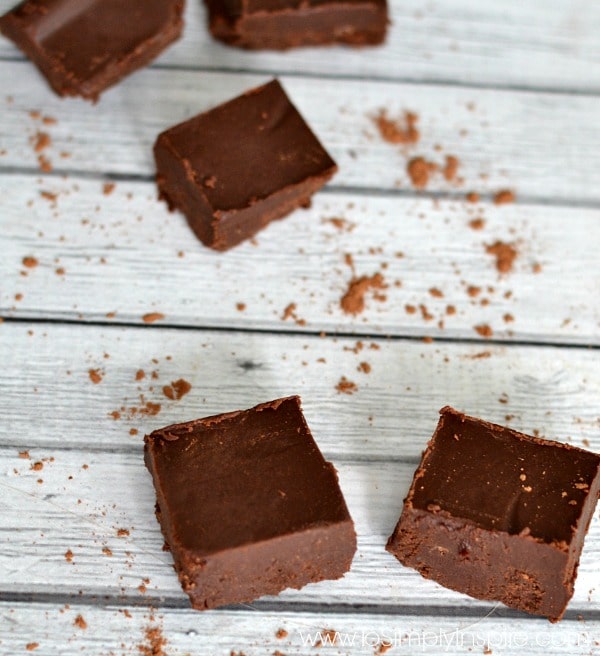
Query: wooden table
[[513, 90]]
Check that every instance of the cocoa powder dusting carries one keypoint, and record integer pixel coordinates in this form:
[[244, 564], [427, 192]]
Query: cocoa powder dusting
[[397, 132], [31, 646], [504, 196], [95, 376], [41, 141], [30, 262], [353, 301], [346, 386], [177, 389], [451, 168], [155, 642], [80, 622], [419, 170], [484, 330], [505, 255], [151, 317]]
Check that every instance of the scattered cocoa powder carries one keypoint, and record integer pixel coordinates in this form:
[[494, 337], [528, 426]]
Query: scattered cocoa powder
[[477, 224], [281, 634], [505, 255], [472, 197], [177, 389], [24, 455], [436, 293], [451, 168], [80, 622], [37, 466], [353, 301], [240, 307], [346, 386], [365, 367], [107, 551], [484, 330], [30, 262], [40, 141], [122, 533], [398, 132], [504, 196], [45, 164], [289, 312], [419, 170], [30, 646], [69, 556], [155, 642], [108, 188], [340, 224], [95, 376], [508, 318], [473, 290], [151, 317]]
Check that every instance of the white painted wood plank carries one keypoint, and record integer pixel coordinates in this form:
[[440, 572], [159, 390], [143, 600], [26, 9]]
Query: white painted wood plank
[[122, 630], [542, 145], [121, 254], [47, 398], [539, 43], [42, 521]]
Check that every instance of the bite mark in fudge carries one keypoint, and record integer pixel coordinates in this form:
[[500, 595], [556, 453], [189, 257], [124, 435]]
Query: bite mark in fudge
[[241, 165], [84, 46], [498, 515], [248, 505], [282, 24]]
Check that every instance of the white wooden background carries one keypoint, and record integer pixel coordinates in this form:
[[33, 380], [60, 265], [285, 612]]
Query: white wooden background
[[513, 90]]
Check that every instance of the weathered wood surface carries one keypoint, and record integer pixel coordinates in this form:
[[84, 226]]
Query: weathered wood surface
[[124, 255], [48, 400]]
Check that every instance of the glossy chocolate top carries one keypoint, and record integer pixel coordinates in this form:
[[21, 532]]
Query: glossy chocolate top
[[242, 477], [504, 480], [82, 35], [248, 148]]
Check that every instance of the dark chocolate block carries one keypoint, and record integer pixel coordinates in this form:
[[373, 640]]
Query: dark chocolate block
[[281, 24], [240, 166], [84, 46], [248, 505], [498, 515]]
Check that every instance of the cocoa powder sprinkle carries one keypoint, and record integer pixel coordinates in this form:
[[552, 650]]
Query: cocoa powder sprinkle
[[397, 132], [353, 301]]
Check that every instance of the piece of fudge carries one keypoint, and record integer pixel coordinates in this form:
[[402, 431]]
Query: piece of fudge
[[282, 24], [248, 505], [84, 46], [498, 515], [234, 169]]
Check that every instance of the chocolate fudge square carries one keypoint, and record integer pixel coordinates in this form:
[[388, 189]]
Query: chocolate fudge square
[[84, 46], [241, 165], [248, 505], [282, 24], [498, 515]]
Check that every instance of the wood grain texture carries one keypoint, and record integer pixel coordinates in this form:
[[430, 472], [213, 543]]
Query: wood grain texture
[[86, 497], [121, 629], [124, 255], [535, 44], [47, 398], [544, 146]]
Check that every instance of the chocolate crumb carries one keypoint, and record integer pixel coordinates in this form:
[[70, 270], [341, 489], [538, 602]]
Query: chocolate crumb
[[177, 389], [504, 196], [477, 224], [505, 255], [30, 646], [472, 197], [24, 455], [30, 262], [151, 317], [396, 132], [281, 634], [451, 168], [419, 170], [353, 301], [95, 376], [69, 556], [108, 188], [346, 386], [484, 330], [80, 622]]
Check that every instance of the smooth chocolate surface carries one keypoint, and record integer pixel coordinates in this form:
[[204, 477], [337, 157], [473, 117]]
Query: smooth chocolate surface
[[248, 505], [239, 166], [498, 514], [282, 24], [84, 46]]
